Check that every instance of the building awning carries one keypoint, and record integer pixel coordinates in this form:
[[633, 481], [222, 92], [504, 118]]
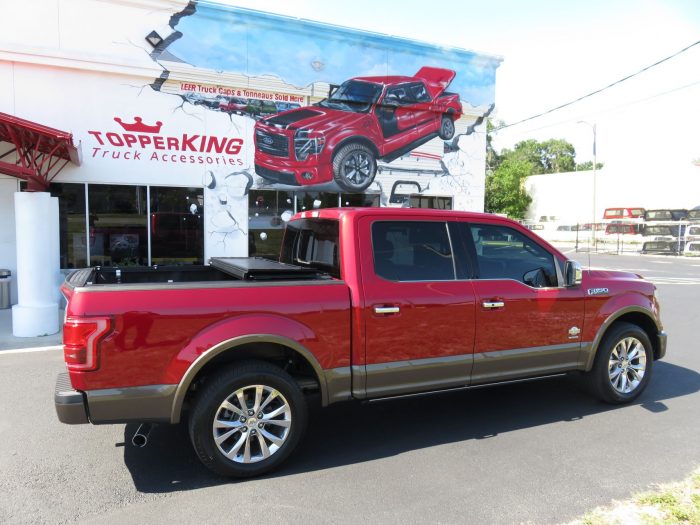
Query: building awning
[[36, 153]]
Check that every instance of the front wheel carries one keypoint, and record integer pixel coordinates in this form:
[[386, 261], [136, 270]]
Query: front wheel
[[354, 167], [623, 364], [447, 128], [247, 419]]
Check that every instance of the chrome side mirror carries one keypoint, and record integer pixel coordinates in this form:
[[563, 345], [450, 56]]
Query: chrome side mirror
[[572, 273]]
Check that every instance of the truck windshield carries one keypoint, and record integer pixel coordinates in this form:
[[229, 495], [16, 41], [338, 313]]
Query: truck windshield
[[312, 243], [353, 95]]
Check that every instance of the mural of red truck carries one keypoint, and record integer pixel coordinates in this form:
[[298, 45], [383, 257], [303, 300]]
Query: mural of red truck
[[364, 120]]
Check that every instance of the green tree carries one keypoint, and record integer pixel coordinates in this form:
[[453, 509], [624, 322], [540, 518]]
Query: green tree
[[588, 165], [550, 156], [505, 192]]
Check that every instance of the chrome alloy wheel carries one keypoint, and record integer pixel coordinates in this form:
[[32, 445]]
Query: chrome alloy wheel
[[252, 424], [627, 364], [357, 168]]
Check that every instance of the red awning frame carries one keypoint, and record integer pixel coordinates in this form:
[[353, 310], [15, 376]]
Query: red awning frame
[[40, 152]]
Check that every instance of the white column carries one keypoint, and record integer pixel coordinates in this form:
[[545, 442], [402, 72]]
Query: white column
[[36, 223], [56, 249]]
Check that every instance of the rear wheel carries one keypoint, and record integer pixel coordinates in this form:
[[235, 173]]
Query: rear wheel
[[354, 167], [247, 419], [623, 364]]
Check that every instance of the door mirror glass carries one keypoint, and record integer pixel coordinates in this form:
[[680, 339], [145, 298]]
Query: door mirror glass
[[572, 273]]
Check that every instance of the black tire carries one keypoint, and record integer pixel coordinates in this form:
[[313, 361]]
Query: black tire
[[599, 378], [354, 167], [447, 127], [221, 387]]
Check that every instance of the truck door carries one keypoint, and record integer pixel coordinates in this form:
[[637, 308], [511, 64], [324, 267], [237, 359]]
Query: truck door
[[418, 312], [527, 324], [395, 114]]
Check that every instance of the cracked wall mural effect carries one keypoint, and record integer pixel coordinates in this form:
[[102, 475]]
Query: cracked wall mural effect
[[249, 100]]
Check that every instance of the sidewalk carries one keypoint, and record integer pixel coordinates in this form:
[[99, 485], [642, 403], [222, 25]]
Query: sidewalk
[[10, 342]]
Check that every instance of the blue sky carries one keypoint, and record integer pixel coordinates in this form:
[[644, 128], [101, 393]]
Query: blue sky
[[233, 41]]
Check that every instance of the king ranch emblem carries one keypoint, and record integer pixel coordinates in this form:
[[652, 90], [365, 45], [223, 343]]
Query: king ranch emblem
[[138, 140]]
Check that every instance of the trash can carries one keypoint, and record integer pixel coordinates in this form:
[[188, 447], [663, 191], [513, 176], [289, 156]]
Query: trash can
[[5, 288]]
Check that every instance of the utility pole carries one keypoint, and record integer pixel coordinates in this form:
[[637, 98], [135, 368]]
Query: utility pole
[[595, 163]]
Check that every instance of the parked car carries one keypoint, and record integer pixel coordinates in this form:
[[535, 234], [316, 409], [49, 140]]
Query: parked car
[[623, 213], [260, 108], [286, 106], [364, 303], [620, 228], [665, 215], [366, 119], [692, 232], [234, 105], [673, 247], [693, 215], [661, 232]]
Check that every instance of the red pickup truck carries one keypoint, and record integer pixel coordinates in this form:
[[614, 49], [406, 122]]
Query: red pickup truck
[[362, 304], [365, 119]]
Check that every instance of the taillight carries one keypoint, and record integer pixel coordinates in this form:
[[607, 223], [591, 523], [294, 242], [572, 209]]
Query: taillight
[[80, 340]]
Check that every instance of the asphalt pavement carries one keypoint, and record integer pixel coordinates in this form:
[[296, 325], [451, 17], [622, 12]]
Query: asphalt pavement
[[537, 452]]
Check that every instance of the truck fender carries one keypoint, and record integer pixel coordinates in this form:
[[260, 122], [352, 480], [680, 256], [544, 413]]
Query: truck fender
[[606, 323], [226, 336]]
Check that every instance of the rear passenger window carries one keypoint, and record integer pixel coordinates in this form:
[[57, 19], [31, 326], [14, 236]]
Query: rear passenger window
[[504, 253], [412, 251]]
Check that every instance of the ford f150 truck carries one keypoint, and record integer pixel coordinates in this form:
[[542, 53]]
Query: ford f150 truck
[[365, 119], [362, 304]]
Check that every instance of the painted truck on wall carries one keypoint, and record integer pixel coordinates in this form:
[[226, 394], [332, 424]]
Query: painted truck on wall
[[365, 119]]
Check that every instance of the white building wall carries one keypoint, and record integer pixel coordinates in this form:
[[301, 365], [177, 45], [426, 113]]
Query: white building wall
[[569, 196]]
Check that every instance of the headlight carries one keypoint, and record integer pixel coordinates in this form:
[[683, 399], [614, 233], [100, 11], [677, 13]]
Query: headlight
[[307, 143]]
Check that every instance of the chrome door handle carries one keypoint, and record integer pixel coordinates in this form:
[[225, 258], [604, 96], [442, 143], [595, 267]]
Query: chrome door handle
[[493, 304], [386, 309]]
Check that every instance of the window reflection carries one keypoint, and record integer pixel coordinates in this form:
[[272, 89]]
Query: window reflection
[[117, 221], [360, 200], [268, 212], [177, 225]]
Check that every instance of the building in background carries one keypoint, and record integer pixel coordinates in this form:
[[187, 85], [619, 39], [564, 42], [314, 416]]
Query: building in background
[[202, 128]]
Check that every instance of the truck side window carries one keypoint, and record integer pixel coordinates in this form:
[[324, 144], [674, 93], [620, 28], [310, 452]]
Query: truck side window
[[412, 251], [312, 243], [504, 253]]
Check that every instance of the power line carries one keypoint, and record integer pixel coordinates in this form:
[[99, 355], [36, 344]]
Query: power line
[[601, 89], [614, 108]]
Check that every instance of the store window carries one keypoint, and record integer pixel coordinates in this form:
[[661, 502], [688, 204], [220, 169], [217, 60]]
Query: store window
[[360, 200], [314, 200], [176, 225], [268, 212], [118, 225], [431, 201]]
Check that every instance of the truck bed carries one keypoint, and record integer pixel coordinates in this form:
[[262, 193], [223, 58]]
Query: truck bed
[[221, 269]]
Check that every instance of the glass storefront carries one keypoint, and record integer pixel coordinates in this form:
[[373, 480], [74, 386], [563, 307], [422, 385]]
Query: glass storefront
[[72, 224], [118, 225], [267, 213], [145, 225], [176, 225]]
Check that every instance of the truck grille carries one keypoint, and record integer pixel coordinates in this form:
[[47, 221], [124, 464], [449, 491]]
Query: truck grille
[[272, 144]]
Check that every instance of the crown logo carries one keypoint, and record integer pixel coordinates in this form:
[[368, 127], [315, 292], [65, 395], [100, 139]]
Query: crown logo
[[138, 126]]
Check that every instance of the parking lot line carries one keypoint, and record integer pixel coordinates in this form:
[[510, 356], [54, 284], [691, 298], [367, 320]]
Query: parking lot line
[[30, 350]]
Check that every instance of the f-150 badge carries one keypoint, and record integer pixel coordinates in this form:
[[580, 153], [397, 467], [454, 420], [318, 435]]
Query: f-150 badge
[[598, 291]]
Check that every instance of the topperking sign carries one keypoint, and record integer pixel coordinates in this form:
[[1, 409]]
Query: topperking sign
[[139, 141]]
